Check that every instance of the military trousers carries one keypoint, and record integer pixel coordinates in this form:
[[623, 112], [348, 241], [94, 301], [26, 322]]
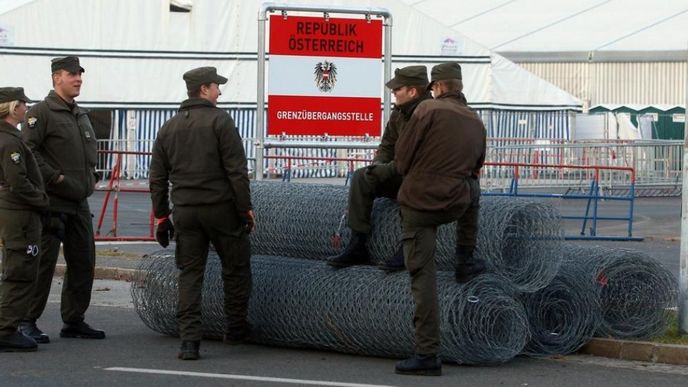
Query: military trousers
[[75, 232], [20, 238], [368, 183], [196, 227], [419, 234]]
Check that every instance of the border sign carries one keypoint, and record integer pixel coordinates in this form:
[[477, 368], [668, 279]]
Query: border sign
[[325, 76]]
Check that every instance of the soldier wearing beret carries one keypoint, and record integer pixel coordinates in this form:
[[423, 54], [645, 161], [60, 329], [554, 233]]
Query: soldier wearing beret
[[380, 179], [61, 137], [22, 198], [440, 155], [199, 151]]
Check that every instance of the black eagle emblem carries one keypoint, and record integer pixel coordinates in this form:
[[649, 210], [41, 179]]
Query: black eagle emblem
[[325, 75]]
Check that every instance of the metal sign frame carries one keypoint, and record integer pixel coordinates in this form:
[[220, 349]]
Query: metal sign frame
[[267, 8]]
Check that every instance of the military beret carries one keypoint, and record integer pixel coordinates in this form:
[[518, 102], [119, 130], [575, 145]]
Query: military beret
[[444, 71], [9, 94], [409, 76], [202, 76], [69, 63]]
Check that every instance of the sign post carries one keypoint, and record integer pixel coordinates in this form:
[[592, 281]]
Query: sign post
[[325, 75]]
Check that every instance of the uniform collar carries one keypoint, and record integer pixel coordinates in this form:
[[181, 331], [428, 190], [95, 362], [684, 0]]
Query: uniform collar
[[193, 103], [455, 96], [408, 108], [55, 102], [9, 129]]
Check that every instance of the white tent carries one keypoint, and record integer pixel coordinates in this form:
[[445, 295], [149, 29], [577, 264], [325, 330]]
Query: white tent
[[135, 52]]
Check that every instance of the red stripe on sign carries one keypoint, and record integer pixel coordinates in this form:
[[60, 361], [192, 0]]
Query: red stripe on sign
[[317, 116], [314, 36]]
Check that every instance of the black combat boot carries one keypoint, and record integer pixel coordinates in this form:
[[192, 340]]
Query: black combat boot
[[356, 252], [17, 342], [189, 350], [80, 330], [468, 267], [426, 365], [238, 335], [29, 328], [396, 262]]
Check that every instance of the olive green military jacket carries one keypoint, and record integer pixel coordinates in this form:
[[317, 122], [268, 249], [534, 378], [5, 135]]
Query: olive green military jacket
[[399, 117], [64, 143], [21, 184], [200, 152], [444, 144]]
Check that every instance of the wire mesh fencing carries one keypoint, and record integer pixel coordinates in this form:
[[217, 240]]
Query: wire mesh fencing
[[361, 310]]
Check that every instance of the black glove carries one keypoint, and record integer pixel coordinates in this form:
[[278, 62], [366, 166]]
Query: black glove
[[164, 232]]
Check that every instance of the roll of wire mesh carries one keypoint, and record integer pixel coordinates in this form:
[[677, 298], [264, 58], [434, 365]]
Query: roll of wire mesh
[[635, 291], [309, 221], [361, 310], [563, 315]]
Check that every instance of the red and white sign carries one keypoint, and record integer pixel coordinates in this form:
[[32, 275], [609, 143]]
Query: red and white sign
[[324, 76]]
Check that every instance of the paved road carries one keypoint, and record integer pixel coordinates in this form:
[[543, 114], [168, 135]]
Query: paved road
[[133, 355]]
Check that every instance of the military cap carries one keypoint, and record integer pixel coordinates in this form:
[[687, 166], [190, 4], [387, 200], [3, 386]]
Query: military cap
[[69, 63], [444, 71], [409, 76], [9, 94], [202, 76]]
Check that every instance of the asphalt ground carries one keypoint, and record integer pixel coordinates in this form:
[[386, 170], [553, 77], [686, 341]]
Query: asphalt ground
[[133, 355]]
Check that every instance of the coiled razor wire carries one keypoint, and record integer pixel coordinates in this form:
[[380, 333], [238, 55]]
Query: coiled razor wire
[[308, 221], [563, 316], [361, 310], [635, 291]]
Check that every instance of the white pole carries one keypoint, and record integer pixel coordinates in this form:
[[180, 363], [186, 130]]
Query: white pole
[[683, 276]]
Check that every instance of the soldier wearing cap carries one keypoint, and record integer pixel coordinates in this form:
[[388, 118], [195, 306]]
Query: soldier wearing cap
[[380, 179], [440, 155], [22, 198], [200, 152], [61, 137]]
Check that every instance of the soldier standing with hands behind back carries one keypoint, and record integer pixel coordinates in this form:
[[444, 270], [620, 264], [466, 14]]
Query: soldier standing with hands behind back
[[62, 139], [22, 198]]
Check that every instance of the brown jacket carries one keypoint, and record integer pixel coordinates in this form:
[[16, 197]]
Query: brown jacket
[[21, 185], [200, 152], [442, 146]]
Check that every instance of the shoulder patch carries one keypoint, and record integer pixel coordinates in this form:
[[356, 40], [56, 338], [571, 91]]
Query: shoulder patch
[[15, 157], [32, 121]]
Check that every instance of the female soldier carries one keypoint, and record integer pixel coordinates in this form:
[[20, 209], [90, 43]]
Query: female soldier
[[22, 198]]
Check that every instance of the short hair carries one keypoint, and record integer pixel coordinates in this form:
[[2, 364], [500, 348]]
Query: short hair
[[420, 89], [7, 107], [197, 92], [452, 84]]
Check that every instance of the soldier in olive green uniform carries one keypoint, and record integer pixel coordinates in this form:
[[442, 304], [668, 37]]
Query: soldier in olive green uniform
[[22, 198], [199, 151], [440, 155], [61, 137], [381, 179]]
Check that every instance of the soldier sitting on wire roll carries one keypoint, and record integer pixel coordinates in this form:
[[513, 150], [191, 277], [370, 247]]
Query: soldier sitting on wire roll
[[22, 199], [380, 179]]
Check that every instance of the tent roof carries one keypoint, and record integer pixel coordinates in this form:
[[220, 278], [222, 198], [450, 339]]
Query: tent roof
[[565, 25], [134, 52]]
